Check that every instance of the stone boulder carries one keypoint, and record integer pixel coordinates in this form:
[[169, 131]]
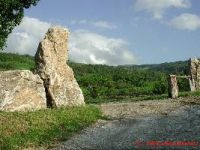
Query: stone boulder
[[51, 59], [172, 86], [21, 91], [195, 72]]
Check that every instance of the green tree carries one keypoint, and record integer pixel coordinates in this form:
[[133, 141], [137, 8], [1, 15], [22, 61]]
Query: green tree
[[11, 14]]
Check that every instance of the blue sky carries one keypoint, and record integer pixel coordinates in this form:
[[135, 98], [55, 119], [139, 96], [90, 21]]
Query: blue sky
[[115, 32]]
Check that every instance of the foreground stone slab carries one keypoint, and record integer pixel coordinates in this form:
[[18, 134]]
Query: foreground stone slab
[[21, 91], [61, 87]]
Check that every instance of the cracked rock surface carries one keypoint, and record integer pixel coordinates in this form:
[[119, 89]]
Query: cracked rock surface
[[61, 86], [21, 90]]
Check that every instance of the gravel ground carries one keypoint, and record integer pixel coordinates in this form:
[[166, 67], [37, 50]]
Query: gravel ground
[[145, 108], [182, 124]]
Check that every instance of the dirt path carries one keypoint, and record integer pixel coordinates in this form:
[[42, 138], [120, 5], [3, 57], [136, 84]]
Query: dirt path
[[133, 125], [145, 108]]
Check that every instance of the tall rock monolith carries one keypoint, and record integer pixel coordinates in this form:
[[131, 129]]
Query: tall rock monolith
[[195, 72], [51, 59]]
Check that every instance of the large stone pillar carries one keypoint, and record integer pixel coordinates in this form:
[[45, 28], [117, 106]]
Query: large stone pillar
[[195, 72], [172, 86], [60, 84]]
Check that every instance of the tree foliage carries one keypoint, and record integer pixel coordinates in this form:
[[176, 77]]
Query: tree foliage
[[11, 14]]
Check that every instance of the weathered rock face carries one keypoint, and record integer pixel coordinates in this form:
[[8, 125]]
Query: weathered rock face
[[20, 91], [173, 87], [195, 72], [61, 87]]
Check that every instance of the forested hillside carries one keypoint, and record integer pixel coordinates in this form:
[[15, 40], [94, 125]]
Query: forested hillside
[[178, 67], [107, 82]]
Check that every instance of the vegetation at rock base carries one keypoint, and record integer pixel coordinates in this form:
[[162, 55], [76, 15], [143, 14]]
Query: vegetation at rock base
[[101, 83], [15, 62], [11, 14], [45, 127]]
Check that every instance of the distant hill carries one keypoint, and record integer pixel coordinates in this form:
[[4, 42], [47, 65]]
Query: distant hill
[[10, 61], [178, 67]]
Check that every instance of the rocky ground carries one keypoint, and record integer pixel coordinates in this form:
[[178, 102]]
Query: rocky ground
[[143, 125]]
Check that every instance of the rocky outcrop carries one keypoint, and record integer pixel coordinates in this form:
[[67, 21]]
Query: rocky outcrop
[[20, 91], [195, 72], [61, 87]]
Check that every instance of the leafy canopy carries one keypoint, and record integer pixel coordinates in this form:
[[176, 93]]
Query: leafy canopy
[[11, 14]]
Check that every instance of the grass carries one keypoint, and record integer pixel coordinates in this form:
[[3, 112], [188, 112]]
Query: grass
[[10, 61], [127, 99], [45, 127], [141, 98], [188, 94]]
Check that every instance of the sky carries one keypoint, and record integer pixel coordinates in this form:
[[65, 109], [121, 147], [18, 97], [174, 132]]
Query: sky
[[115, 32]]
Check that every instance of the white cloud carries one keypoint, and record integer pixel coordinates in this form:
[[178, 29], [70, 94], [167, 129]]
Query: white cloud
[[158, 7], [104, 24], [98, 24], [84, 46], [88, 47], [186, 21], [26, 36]]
